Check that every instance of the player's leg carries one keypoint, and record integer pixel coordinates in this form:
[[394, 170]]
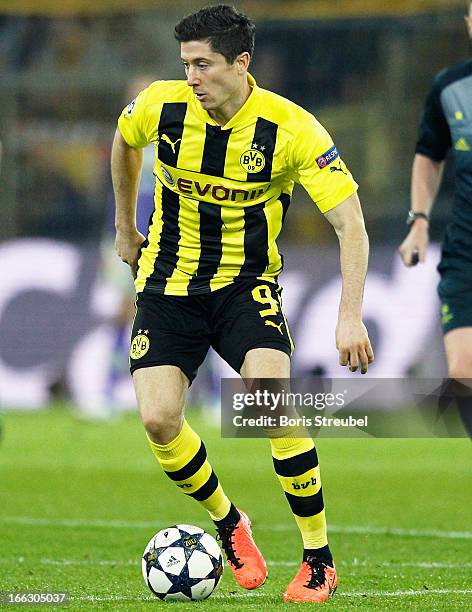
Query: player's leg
[[169, 343], [253, 337], [236, 328], [296, 463], [458, 344], [161, 392]]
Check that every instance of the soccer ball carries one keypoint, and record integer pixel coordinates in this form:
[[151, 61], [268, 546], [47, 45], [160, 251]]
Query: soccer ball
[[182, 562]]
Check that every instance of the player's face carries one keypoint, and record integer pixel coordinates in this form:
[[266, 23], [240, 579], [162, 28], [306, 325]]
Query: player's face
[[214, 82]]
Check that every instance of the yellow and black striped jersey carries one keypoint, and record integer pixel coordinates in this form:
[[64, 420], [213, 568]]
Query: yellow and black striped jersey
[[222, 192]]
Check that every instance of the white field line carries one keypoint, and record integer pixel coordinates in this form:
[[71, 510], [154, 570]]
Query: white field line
[[401, 531], [347, 529], [386, 564], [342, 563], [405, 593], [93, 598], [425, 565], [230, 596]]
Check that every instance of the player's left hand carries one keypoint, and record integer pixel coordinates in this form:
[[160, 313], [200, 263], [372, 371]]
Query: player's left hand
[[353, 344]]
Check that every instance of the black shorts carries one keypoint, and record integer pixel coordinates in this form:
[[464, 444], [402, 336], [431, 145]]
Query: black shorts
[[455, 293], [179, 330]]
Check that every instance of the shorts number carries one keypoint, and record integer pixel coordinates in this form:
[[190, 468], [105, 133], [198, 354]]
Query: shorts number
[[263, 295]]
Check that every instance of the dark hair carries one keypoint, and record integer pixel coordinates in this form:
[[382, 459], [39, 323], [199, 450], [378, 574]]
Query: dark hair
[[228, 31]]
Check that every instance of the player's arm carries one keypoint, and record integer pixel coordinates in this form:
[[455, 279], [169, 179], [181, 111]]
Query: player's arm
[[126, 165], [426, 178], [352, 340], [320, 170]]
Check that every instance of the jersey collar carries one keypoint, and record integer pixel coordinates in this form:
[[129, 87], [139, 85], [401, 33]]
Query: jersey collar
[[244, 114]]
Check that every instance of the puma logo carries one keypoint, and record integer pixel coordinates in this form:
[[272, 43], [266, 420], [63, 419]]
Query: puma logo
[[338, 169], [166, 138], [279, 326]]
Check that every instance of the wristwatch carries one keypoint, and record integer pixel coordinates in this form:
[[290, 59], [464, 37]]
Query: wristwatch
[[412, 216]]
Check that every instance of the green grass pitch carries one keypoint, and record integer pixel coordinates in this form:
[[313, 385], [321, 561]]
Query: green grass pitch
[[79, 501]]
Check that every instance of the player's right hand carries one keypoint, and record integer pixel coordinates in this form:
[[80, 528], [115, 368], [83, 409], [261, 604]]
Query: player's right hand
[[353, 344], [413, 249], [127, 245]]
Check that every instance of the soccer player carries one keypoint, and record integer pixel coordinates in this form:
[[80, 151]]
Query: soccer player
[[446, 124], [227, 156]]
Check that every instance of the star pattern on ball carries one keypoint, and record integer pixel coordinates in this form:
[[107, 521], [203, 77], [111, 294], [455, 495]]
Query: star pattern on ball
[[169, 570], [182, 583], [190, 547]]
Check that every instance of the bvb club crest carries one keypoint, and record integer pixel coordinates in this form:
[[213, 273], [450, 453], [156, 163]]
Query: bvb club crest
[[139, 345], [253, 159]]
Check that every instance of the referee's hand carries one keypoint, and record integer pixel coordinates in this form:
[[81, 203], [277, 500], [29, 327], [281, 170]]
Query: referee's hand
[[127, 245], [413, 249]]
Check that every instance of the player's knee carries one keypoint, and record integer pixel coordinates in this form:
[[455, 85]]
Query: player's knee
[[161, 425]]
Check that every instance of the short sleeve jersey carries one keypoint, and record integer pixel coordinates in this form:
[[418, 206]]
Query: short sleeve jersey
[[447, 125], [222, 193]]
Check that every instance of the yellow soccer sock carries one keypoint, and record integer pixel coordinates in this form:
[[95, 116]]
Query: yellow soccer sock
[[296, 465], [184, 460]]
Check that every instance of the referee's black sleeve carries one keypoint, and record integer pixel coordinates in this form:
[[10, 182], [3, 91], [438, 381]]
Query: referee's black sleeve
[[434, 139]]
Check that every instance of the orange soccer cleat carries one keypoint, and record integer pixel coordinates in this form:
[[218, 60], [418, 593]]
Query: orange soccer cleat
[[315, 582], [244, 558]]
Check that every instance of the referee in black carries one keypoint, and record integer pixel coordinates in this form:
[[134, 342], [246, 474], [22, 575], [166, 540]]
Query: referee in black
[[447, 124]]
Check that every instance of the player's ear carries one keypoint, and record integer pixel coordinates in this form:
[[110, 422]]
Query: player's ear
[[242, 62]]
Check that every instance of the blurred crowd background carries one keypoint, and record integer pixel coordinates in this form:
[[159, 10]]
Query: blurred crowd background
[[68, 68], [364, 72]]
